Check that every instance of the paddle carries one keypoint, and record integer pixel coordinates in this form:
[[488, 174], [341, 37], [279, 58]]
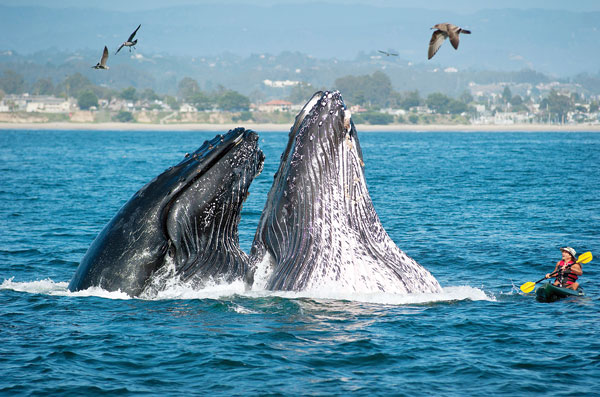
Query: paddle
[[528, 286]]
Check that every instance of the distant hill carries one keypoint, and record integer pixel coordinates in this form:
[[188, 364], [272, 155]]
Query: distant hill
[[247, 75], [557, 43]]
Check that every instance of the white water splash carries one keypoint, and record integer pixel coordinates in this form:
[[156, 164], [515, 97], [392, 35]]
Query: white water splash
[[226, 291], [262, 273], [50, 287]]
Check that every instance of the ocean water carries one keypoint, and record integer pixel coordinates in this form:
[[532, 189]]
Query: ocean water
[[484, 212]]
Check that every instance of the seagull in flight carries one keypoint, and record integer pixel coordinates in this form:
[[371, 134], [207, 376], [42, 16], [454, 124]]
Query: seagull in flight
[[388, 53], [130, 41], [102, 63], [442, 32]]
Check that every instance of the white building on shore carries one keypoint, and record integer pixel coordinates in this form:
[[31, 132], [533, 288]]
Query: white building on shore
[[37, 103], [275, 105]]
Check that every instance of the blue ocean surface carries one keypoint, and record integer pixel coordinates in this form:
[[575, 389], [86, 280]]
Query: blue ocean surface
[[484, 212]]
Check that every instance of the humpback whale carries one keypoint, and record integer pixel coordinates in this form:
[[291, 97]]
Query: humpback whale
[[183, 223], [319, 229]]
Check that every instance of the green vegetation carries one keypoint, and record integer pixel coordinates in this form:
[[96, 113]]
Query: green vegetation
[[244, 116], [12, 82], [149, 95], [187, 88], [124, 117], [373, 90], [274, 117], [301, 93], [410, 99], [375, 118], [232, 101], [43, 87], [73, 85], [87, 99], [442, 104], [129, 94], [223, 99], [200, 100], [557, 105], [172, 102]]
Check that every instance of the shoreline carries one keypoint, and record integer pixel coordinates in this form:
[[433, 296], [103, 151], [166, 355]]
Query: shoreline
[[112, 126]]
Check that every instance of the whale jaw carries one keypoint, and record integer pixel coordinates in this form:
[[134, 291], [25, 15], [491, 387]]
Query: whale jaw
[[319, 229], [181, 225]]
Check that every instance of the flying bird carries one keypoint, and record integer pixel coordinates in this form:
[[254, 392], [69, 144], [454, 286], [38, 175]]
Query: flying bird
[[102, 63], [388, 53], [130, 41], [443, 31]]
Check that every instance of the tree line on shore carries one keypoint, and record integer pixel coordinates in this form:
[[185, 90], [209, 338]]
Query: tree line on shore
[[371, 93]]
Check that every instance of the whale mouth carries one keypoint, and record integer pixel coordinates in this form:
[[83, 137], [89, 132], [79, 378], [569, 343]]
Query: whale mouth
[[306, 109], [319, 229], [225, 168], [323, 105], [200, 220], [322, 147], [183, 223], [319, 127], [211, 152]]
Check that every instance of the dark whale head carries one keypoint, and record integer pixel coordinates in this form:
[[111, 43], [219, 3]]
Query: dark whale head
[[319, 229], [183, 223]]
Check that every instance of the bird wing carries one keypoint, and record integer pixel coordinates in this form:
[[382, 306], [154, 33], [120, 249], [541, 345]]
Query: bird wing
[[383, 52], [453, 35], [104, 56], [437, 38], [134, 32], [122, 45]]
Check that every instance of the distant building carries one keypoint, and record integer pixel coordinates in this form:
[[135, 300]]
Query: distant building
[[393, 112], [37, 103], [187, 108], [275, 105], [281, 83], [421, 109], [479, 108], [357, 109], [117, 104], [49, 104]]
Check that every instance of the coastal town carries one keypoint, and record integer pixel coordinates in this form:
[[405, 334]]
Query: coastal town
[[371, 99]]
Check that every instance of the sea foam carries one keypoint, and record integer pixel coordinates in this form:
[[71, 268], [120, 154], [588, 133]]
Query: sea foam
[[225, 291]]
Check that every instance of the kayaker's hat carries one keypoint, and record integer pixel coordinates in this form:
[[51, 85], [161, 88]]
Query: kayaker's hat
[[570, 251]]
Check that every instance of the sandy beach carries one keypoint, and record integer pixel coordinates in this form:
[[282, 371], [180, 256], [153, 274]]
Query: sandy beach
[[284, 127]]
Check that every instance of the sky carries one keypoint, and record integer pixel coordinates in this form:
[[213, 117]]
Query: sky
[[534, 34], [461, 6]]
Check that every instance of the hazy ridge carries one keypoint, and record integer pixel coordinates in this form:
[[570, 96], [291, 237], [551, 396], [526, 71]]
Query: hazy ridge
[[239, 46]]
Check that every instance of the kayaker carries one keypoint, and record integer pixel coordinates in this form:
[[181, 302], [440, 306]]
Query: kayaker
[[567, 270]]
